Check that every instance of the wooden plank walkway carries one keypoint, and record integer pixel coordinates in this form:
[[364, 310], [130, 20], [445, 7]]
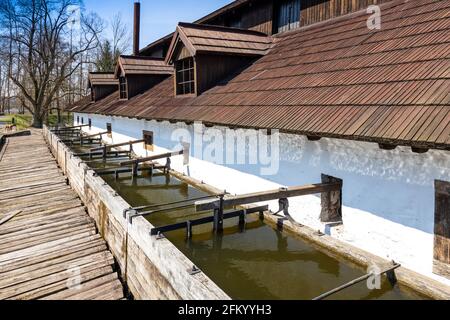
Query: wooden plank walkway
[[49, 246]]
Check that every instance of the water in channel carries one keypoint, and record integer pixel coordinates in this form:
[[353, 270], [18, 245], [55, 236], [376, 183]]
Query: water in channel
[[255, 262]]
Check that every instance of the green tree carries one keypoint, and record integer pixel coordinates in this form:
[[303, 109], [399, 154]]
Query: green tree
[[105, 61]]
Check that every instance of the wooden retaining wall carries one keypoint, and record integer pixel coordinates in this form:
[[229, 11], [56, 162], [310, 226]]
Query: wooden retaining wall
[[152, 269]]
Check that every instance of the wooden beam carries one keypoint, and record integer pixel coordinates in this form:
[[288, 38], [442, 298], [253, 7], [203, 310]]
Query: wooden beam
[[230, 201], [74, 127], [110, 146], [95, 135], [152, 158]]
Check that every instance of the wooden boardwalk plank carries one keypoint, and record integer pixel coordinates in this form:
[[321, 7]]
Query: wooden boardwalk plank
[[49, 246]]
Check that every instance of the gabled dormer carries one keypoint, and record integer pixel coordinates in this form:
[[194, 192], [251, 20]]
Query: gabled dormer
[[203, 55], [101, 84], [137, 74]]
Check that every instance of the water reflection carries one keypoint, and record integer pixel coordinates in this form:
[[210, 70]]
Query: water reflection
[[254, 261]]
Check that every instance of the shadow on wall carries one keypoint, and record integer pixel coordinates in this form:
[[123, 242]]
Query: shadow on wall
[[396, 185]]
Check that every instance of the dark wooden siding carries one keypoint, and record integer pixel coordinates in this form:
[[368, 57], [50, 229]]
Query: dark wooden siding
[[287, 15], [313, 11], [253, 16], [258, 18], [442, 229], [262, 16], [213, 68], [138, 83], [99, 92]]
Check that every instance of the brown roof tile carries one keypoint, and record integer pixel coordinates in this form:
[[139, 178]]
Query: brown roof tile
[[135, 65], [213, 39], [333, 79], [102, 79]]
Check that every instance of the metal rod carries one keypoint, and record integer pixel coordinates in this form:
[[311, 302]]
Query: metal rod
[[183, 225], [176, 202], [355, 281]]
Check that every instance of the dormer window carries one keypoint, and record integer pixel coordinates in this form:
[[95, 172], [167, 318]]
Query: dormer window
[[123, 91], [137, 74], [102, 84], [204, 55], [185, 76]]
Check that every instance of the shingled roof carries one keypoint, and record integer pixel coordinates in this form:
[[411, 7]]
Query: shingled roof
[[332, 79], [136, 65], [102, 79], [199, 38]]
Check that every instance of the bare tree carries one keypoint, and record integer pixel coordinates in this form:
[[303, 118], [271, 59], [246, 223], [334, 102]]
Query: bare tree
[[120, 36], [112, 47], [45, 61]]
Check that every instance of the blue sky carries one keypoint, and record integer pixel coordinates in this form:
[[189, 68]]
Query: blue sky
[[158, 17]]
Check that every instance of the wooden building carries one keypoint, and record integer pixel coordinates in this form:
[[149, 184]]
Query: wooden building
[[371, 107]]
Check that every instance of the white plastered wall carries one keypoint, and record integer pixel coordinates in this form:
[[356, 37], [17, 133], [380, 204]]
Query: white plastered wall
[[388, 195]]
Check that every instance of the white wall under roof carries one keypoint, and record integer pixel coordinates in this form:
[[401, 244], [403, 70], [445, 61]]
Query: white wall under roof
[[388, 196]]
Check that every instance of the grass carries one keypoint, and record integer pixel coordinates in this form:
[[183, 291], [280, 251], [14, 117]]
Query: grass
[[24, 121]]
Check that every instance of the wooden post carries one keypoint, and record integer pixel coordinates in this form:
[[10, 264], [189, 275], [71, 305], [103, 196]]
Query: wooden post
[[105, 152], [331, 201], [188, 229], [218, 217], [441, 254], [135, 169], [168, 162]]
